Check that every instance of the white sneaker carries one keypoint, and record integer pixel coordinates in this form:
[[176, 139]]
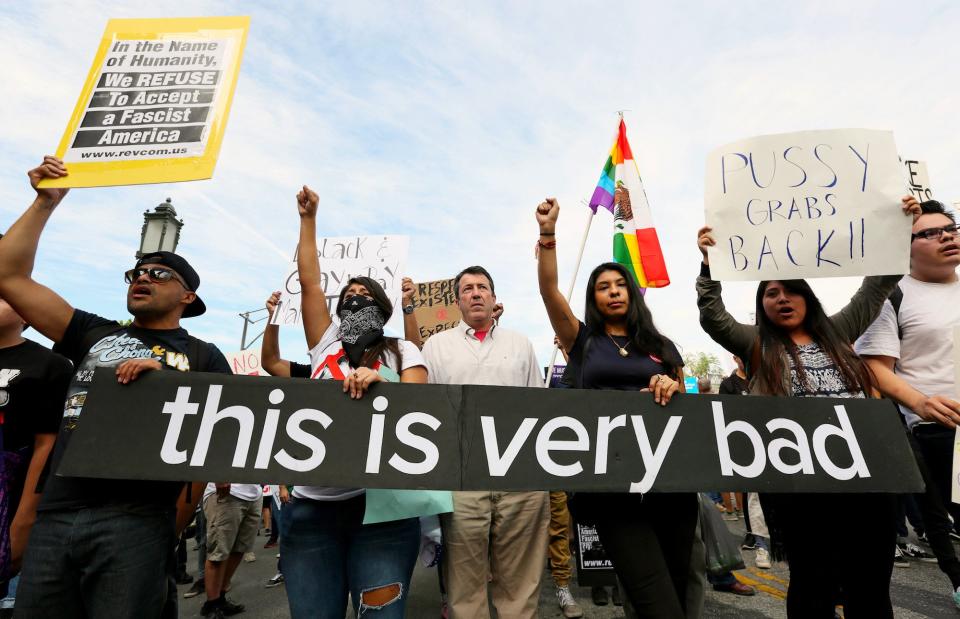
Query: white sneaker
[[250, 557], [762, 559], [569, 606]]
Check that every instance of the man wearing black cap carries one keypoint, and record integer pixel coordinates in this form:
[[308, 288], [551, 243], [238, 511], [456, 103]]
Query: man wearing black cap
[[103, 548]]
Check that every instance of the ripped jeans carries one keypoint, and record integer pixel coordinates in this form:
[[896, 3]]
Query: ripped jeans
[[327, 552]]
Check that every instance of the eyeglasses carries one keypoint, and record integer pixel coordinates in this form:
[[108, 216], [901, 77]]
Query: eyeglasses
[[934, 233], [156, 275]]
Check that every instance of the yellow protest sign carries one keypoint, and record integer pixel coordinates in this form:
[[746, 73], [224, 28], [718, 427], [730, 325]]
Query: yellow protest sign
[[155, 104]]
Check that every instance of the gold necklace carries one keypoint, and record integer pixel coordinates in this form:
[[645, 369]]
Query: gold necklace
[[622, 349]]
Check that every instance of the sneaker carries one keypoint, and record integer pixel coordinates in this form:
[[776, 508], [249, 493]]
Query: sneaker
[[736, 588], [275, 581], [923, 539], [229, 607], [270, 544], [915, 552], [599, 596], [762, 559], [214, 613], [568, 605], [197, 588], [749, 542], [899, 560], [730, 516], [615, 595], [249, 557]]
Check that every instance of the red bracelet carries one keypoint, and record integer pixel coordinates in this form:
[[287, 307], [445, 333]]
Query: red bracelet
[[547, 245]]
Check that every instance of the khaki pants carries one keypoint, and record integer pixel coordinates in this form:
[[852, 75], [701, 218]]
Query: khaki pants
[[498, 538], [559, 531]]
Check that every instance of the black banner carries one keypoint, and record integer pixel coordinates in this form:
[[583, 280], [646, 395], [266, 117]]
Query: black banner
[[179, 426]]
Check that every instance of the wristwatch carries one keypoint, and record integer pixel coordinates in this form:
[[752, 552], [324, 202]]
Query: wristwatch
[[408, 309]]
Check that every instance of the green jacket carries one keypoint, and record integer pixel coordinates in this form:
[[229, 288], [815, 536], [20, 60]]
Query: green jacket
[[740, 339]]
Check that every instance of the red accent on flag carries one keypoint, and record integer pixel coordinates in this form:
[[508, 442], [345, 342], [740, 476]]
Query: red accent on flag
[[622, 141], [651, 257]]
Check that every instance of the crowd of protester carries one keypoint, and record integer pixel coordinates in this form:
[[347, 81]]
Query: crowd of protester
[[77, 547]]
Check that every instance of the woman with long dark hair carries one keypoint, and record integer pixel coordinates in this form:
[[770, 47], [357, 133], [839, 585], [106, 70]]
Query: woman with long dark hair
[[327, 550], [795, 349], [647, 537]]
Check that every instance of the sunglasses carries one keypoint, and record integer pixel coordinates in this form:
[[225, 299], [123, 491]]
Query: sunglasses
[[934, 233], [156, 275]]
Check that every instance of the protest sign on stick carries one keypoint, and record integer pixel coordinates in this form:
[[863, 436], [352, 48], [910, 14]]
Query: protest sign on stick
[[382, 258], [435, 307], [918, 178], [198, 426], [807, 204], [155, 104]]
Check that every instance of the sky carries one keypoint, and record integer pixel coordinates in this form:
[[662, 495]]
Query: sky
[[449, 122]]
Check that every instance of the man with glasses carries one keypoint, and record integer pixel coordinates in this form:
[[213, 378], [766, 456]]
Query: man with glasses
[[909, 348], [104, 548]]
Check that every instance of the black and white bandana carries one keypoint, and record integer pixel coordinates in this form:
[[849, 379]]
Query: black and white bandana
[[361, 324]]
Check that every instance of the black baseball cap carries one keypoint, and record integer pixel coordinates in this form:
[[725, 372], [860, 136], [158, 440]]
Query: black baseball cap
[[183, 269]]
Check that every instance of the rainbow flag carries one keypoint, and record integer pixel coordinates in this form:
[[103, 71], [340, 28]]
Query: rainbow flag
[[620, 191]]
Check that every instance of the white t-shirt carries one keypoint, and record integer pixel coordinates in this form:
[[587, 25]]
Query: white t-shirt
[[244, 492], [925, 357], [328, 360]]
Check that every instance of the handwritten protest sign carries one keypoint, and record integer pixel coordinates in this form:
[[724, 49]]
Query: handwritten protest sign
[[155, 104], [245, 362], [381, 257], [918, 179], [435, 307], [808, 204]]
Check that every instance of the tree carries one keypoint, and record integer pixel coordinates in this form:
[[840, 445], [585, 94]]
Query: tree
[[701, 364]]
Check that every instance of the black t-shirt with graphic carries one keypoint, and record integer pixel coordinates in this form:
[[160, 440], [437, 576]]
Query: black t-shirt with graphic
[[605, 368], [169, 347], [33, 383]]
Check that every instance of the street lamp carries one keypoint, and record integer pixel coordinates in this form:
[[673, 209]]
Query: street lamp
[[161, 229]]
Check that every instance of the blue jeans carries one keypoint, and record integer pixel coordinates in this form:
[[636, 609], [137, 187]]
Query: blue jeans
[[327, 551], [107, 561]]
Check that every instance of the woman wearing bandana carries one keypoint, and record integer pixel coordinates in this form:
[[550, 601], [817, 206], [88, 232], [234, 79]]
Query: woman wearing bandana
[[327, 550]]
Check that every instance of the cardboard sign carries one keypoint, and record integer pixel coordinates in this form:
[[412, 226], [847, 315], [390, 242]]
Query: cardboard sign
[[196, 426], [808, 204], [379, 257], [435, 307], [155, 104], [918, 179], [245, 362]]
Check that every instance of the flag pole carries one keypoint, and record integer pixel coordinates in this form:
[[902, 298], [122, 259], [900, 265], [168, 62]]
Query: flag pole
[[573, 280]]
